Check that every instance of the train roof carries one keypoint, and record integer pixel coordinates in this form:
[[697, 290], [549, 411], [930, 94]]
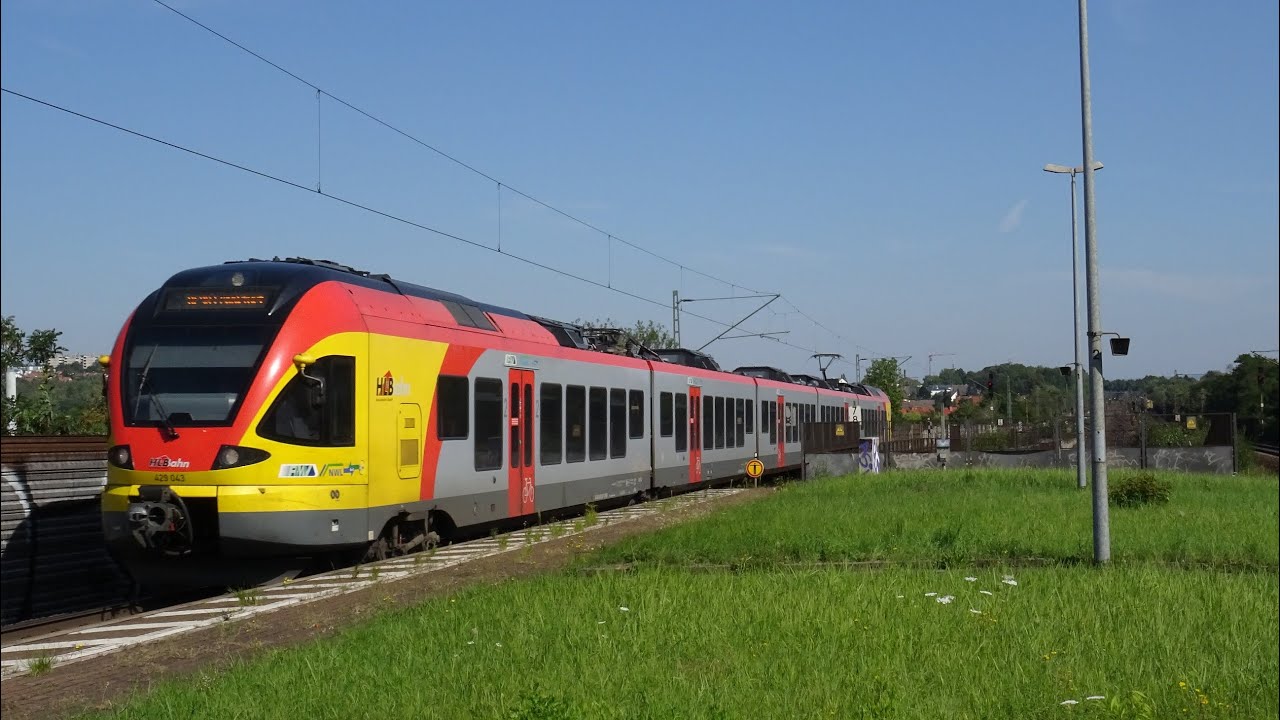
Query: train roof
[[764, 372], [689, 358], [296, 275], [306, 271]]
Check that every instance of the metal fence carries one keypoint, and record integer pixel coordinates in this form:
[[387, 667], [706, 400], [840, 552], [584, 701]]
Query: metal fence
[[1202, 442], [828, 437], [54, 560]]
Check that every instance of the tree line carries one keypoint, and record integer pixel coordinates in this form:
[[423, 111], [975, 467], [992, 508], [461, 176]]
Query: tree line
[[1249, 387]]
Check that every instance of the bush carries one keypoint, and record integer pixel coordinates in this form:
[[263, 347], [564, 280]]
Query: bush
[[1143, 489], [991, 442], [1170, 434]]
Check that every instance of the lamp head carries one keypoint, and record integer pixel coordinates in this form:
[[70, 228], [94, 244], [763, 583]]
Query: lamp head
[[1119, 346]]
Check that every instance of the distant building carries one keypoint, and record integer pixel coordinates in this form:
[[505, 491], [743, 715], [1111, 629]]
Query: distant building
[[84, 361]]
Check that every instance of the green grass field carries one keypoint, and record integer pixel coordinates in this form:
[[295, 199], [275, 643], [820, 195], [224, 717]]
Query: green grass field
[[750, 613], [966, 517]]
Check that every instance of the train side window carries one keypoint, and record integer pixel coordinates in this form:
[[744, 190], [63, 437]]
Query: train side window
[[517, 424], [575, 423], [488, 413], [340, 401], [617, 423], [740, 422], [635, 424], [720, 422], [766, 427], [307, 412], [750, 407], [708, 419], [528, 424], [665, 423], [550, 426], [681, 417], [451, 408], [597, 423]]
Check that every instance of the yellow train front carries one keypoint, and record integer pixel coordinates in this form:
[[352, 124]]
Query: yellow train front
[[239, 424]]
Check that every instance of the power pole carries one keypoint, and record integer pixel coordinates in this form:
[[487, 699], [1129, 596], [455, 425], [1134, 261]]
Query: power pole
[[1101, 513], [934, 355], [675, 315]]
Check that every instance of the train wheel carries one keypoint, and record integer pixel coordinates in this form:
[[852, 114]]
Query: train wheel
[[401, 537]]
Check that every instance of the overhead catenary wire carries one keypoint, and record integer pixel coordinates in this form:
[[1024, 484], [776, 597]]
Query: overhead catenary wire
[[610, 237], [360, 206]]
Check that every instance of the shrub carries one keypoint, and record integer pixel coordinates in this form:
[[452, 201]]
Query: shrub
[[1135, 490]]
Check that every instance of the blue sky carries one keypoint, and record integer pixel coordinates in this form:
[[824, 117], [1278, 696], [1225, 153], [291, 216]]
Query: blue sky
[[876, 163]]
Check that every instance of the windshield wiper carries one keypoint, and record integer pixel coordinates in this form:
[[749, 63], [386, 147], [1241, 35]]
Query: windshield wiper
[[170, 431]]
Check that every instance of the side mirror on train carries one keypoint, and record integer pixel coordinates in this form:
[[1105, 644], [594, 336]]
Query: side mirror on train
[[315, 384]]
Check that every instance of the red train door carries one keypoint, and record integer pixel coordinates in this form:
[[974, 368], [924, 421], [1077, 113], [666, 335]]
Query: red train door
[[695, 434], [782, 431], [520, 478]]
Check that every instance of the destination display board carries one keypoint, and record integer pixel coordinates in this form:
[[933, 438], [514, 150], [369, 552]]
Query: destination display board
[[217, 299]]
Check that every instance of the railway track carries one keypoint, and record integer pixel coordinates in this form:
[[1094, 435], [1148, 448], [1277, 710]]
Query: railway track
[[1267, 449], [76, 644]]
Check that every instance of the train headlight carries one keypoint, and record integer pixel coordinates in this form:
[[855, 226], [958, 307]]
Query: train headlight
[[120, 457], [233, 456]]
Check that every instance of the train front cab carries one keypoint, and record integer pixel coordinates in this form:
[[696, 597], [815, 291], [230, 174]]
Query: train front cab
[[238, 448]]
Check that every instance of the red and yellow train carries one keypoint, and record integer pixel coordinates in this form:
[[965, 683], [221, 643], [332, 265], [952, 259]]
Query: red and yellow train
[[264, 412]]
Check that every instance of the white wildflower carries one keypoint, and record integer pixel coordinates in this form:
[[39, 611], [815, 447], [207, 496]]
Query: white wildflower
[[471, 642], [497, 644], [946, 599], [901, 596], [971, 579], [975, 612], [624, 609], [1069, 702], [1096, 697], [930, 594], [599, 622], [986, 592], [1009, 581]]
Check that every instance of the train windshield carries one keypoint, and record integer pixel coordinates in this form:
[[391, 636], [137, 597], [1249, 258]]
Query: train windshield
[[186, 376]]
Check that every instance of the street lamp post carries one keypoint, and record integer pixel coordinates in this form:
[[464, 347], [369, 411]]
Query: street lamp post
[[1081, 473]]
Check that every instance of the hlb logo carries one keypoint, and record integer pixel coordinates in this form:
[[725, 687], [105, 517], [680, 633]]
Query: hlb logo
[[164, 461], [386, 385]]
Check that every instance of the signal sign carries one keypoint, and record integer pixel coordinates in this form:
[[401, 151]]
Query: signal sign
[[755, 469]]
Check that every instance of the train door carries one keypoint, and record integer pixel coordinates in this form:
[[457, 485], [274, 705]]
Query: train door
[[520, 479], [695, 434], [409, 432], [782, 430]]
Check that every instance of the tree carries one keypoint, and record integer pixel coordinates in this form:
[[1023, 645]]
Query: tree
[[58, 401], [884, 374], [646, 332]]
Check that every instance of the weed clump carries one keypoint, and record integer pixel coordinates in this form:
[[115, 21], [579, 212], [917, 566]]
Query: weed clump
[[1138, 490]]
